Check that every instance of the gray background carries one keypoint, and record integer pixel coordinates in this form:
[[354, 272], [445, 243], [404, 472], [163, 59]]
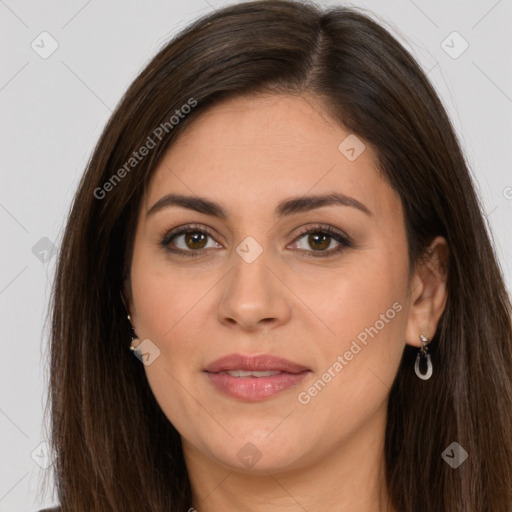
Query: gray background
[[52, 113]]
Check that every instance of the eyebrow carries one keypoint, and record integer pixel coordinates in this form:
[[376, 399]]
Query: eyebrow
[[287, 207]]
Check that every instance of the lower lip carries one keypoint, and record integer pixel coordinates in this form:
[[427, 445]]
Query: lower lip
[[254, 389]]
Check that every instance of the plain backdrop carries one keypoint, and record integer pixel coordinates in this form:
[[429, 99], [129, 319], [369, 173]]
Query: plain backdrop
[[54, 106]]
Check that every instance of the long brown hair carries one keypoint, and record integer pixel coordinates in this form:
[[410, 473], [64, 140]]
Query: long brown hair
[[116, 450]]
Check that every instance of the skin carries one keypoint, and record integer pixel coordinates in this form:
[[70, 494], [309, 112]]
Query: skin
[[249, 154]]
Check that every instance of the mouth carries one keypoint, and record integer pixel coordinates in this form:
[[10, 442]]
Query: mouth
[[251, 373], [254, 378]]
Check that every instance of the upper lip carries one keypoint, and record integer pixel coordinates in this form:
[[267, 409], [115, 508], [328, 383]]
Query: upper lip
[[262, 362]]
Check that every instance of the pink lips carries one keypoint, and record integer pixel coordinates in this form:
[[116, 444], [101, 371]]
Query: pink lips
[[253, 388]]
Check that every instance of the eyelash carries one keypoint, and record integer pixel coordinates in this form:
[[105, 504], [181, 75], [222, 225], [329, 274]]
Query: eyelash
[[339, 237]]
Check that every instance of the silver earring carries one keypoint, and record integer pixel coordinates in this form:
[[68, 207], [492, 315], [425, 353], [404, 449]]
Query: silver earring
[[423, 354], [134, 336]]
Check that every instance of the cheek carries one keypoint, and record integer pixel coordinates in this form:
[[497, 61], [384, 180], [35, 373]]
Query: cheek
[[172, 310], [167, 307], [353, 298], [162, 296], [365, 310]]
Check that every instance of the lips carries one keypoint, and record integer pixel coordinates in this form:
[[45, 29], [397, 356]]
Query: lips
[[254, 378], [261, 363]]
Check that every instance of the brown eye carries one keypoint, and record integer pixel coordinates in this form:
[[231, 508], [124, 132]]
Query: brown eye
[[321, 241], [195, 240], [189, 241]]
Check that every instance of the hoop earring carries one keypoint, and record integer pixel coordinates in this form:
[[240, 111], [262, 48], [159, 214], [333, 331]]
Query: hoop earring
[[423, 354]]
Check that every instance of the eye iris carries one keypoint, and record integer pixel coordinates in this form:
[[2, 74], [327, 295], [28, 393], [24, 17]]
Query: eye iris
[[318, 241], [194, 238]]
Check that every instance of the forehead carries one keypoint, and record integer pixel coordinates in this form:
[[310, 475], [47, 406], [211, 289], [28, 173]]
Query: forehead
[[254, 151]]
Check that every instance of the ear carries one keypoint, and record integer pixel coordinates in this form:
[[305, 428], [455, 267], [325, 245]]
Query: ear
[[428, 292]]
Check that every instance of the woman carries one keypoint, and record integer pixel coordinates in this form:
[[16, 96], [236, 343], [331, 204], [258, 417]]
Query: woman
[[279, 224]]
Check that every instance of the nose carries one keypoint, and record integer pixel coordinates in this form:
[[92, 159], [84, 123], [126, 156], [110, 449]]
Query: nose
[[254, 296]]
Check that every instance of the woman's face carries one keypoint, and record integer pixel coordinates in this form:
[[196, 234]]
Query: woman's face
[[246, 288]]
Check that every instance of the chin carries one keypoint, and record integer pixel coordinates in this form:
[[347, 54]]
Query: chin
[[257, 452]]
